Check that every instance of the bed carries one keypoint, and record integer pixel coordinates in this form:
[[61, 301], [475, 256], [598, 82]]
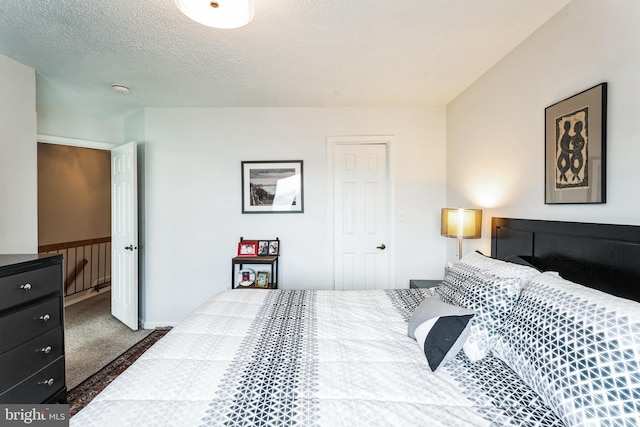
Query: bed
[[499, 342]]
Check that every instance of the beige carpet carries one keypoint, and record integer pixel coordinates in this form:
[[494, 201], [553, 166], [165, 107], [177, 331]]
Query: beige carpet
[[93, 337]]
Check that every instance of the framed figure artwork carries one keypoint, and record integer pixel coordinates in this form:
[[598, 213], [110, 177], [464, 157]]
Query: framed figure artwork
[[575, 148], [272, 187]]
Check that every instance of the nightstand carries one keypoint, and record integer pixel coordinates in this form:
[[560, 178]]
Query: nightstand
[[415, 284]]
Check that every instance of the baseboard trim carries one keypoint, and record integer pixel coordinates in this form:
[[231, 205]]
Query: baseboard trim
[[84, 295], [158, 325]]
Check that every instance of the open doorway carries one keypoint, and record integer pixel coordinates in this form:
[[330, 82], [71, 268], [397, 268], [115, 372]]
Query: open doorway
[[74, 218], [74, 215]]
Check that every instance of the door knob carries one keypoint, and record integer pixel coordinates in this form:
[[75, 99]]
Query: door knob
[[382, 247], [129, 248]]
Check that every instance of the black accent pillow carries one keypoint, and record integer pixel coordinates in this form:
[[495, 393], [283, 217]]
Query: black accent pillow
[[440, 329]]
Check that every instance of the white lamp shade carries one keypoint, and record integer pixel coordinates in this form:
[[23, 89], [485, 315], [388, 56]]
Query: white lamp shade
[[461, 223], [219, 14]]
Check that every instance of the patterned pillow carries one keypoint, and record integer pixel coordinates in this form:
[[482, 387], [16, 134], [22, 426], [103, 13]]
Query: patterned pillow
[[490, 288], [440, 329], [578, 348]]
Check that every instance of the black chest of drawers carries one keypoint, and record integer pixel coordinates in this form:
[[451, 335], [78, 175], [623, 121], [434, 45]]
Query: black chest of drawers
[[31, 329]]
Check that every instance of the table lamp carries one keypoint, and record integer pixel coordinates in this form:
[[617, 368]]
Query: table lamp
[[461, 223]]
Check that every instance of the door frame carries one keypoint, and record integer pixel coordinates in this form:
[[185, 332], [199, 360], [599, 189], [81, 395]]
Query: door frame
[[58, 140], [72, 142], [389, 142]]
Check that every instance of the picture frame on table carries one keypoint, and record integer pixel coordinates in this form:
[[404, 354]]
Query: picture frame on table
[[263, 247], [272, 186], [246, 277], [262, 279], [248, 248], [575, 148], [274, 247]]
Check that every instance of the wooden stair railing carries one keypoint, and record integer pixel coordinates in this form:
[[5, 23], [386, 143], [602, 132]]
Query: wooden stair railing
[[81, 253], [72, 277], [75, 244]]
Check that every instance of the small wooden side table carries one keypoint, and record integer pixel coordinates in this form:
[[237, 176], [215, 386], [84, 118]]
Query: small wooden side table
[[239, 261]]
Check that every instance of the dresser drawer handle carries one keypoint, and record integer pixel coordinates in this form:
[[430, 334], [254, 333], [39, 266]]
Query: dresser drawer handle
[[48, 382], [45, 317], [26, 286], [46, 350]]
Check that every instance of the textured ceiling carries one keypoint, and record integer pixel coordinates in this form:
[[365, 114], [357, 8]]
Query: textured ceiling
[[295, 53]]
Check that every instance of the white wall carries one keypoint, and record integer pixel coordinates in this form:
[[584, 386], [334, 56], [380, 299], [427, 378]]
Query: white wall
[[18, 162], [193, 211], [79, 125], [495, 129]]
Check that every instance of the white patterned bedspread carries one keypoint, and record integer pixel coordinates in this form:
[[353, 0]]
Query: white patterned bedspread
[[311, 358]]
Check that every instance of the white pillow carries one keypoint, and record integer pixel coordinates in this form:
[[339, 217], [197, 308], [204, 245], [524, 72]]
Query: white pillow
[[578, 348]]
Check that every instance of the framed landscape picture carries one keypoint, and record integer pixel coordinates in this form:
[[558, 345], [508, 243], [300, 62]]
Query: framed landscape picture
[[272, 187], [575, 148]]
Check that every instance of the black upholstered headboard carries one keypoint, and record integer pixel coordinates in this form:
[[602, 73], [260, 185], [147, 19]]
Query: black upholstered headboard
[[601, 256]]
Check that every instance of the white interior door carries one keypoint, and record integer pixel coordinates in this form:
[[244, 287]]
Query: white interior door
[[124, 234], [361, 212]]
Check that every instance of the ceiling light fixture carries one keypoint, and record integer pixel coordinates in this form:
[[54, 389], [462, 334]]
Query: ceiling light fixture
[[118, 88], [219, 13]]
